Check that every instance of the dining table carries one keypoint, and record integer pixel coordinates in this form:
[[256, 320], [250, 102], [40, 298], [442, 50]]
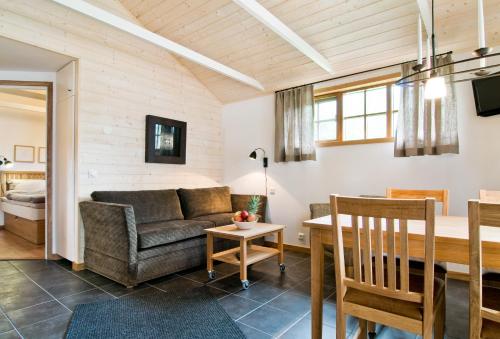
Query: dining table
[[451, 245]]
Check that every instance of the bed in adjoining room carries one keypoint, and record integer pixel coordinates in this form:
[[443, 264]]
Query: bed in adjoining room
[[23, 205]]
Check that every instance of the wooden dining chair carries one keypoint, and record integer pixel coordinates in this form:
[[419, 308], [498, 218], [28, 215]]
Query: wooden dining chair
[[440, 196], [489, 196], [386, 292], [416, 266], [484, 301]]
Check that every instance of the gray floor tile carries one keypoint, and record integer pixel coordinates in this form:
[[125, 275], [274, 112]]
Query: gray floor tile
[[302, 330], [269, 320], [237, 307], [5, 325], [261, 292], [22, 295], [87, 297], [231, 284], [304, 288], [293, 303], [30, 266], [6, 269], [93, 278], [53, 328], [33, 314], [180, 284], [59, 283], [252, 333], [10, 335], [119, 290]]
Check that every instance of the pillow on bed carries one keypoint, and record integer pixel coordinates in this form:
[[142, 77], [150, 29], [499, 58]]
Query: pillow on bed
[[27, 185]]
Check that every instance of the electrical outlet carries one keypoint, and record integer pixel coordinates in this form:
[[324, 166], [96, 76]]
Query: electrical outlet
[[302, 237], [272, 191]]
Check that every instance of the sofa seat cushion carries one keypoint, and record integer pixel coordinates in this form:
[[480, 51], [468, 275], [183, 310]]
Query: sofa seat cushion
[[149, 206], [204, 201], [167, 232], [395, 306], [219, 219]]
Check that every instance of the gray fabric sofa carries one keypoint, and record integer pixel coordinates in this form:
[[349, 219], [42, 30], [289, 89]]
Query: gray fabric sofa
[[135, 236]]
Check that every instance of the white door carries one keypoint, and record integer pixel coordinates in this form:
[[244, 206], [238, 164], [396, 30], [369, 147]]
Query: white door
[[65, 225]]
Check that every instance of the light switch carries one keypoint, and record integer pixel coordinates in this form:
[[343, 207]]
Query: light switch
[[272, 191], [93, 174]]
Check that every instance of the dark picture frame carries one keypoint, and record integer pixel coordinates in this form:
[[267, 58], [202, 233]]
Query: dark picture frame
[[165, 140]]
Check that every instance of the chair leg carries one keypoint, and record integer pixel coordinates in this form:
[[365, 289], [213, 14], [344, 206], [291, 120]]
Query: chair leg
[[371, 329], [363, 329], [440, 321], [341, 325]]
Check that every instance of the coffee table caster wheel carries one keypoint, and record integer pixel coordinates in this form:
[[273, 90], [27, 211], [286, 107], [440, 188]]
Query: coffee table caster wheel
[[245, 284], [282, 267], [211, 275]]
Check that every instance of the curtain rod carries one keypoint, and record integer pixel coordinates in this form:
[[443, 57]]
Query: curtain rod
[[357, 73]]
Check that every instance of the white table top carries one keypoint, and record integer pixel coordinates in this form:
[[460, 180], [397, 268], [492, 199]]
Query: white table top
[[446, 227]]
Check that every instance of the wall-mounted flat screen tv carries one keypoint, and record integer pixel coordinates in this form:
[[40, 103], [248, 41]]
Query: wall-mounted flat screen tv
[[487, 96]]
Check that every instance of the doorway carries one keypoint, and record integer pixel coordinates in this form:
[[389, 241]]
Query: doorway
[[26, 110]]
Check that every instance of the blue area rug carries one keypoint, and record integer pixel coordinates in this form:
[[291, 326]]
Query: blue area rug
[[156, 315]]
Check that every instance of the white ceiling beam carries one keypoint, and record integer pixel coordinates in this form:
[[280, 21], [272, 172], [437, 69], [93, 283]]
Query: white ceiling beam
[[110, 19], [426, 14], [268, 19]]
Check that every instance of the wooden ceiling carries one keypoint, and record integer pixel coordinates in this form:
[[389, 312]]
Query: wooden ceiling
[[354, 35]]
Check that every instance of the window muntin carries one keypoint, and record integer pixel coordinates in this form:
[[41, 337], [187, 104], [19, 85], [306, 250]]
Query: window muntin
[[325, 119], [366, 114]]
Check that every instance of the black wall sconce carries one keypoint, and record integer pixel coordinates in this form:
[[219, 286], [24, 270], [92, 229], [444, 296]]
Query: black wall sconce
[[253, 156]]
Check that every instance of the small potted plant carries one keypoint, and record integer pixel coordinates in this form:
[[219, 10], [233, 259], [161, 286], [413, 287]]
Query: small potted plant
[[246, 219]]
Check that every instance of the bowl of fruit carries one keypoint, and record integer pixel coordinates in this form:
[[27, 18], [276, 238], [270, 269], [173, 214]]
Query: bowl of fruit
[[246, 219]]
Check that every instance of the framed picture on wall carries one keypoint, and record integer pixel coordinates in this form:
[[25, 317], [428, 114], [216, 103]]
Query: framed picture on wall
[[42, 155], [165, 140], [24, 153]]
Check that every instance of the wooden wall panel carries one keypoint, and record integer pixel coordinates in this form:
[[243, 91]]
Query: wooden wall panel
[[121, 80]]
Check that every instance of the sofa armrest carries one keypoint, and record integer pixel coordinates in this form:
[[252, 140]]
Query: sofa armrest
[[110, 229], [240, 202]]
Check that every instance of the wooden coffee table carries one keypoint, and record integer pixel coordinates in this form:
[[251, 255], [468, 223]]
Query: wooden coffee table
[[246, 254]]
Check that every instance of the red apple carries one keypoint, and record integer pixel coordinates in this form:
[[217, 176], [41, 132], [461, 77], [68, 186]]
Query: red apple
[[244, 215]]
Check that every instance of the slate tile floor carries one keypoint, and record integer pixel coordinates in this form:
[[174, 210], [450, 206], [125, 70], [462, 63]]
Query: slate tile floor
[[37, 298]]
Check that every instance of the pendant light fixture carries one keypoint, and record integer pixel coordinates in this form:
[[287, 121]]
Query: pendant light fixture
[[436, 76]]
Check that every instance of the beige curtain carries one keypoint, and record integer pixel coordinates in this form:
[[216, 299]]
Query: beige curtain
[[294, 123], [426, 127]]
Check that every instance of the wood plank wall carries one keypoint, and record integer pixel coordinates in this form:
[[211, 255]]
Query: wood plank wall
[[121, 80]]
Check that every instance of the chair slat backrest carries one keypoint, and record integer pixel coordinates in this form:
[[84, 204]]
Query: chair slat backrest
[[480, 214], [489, 196], [378, 212], [440, 196]]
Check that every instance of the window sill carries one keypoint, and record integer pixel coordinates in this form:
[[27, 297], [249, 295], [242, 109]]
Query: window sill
[[332, 143]]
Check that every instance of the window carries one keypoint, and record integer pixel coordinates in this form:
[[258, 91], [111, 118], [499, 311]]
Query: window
[[356, 114]]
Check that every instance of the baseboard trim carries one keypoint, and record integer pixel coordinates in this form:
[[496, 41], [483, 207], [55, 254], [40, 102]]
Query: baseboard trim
[[77, 266], [294, 248], [458, 276]]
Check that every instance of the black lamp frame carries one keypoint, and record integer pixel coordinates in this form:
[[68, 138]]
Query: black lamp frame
[[253, 155]]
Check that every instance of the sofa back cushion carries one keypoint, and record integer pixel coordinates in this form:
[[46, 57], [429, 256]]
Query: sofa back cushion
[[149, 206], [204, 201]]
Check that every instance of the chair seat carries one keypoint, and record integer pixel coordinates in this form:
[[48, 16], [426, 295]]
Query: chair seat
[[395, 306], [491, 299], [167, 232]]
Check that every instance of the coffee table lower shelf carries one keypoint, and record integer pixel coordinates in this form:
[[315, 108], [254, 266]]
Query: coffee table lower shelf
[[247, 253], [255, 253]]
